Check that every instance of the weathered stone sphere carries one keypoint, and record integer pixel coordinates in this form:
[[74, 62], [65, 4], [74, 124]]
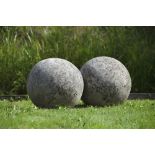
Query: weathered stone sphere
[[55, 82], [106, 81]]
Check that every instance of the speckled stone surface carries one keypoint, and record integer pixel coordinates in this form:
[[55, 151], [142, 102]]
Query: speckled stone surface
[[106, 81], [53, 82]]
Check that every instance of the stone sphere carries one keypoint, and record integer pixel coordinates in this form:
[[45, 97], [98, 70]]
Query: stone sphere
[[106, 81], [54, 82]]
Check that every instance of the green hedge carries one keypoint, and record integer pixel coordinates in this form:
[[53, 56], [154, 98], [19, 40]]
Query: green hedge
[[22, 47]]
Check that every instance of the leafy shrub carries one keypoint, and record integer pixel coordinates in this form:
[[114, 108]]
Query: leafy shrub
[[22, 47]]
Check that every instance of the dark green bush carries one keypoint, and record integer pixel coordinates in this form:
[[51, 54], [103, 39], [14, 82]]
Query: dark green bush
[[22, 47]]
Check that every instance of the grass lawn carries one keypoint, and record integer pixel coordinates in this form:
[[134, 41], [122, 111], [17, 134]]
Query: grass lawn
[[131, 114]]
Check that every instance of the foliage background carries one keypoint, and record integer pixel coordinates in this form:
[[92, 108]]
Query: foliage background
[[22, 47]]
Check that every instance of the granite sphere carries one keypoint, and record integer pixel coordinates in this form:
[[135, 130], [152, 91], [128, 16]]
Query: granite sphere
[[55, 82], [106, 81]]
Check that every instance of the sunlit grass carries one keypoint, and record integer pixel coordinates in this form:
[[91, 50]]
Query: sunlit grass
[[131, 114]]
